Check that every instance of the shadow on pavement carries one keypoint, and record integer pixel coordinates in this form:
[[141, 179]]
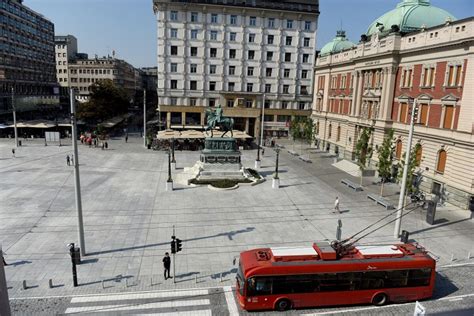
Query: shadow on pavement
[[443, 286], [445, 221]]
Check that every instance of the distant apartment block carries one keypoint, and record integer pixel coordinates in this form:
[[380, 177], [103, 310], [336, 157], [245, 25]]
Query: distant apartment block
[[66, 52], [233, 53]]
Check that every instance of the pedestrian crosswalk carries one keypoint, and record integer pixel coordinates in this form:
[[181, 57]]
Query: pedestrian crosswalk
[[163, 303]]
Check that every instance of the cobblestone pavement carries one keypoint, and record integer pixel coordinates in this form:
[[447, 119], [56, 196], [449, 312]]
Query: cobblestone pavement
[[129, 218]]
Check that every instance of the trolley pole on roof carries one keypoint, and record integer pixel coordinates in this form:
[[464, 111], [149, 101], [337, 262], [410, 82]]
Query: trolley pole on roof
[[144, 118], [77, 181], [401, 200]]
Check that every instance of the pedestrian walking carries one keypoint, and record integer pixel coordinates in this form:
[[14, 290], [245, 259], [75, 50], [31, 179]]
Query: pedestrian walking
[[263, 151], [106, 145], [68, 160], [103, 145], [13, 152], [167, 265], [72, 160], [126, 138], [336, 206], [3, 258]]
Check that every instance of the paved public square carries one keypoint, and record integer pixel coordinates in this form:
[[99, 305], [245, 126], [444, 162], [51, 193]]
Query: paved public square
[[129, 218]]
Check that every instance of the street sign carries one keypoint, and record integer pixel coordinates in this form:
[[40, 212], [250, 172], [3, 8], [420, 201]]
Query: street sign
[[419, 309]]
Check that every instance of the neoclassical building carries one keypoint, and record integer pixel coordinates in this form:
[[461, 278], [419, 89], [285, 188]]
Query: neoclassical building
[[414, 52]]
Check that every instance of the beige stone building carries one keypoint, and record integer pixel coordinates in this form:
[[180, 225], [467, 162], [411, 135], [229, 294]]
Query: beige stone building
[[65, 52], [426, 55]]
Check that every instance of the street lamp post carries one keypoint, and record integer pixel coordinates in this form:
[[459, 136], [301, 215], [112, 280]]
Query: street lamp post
[[276, 179], [14, 117], [144, 118], [169, 182], [77, 182], [260, 139], [401, 200]]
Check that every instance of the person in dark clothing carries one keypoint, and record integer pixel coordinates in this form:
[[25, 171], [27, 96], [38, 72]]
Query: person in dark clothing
[[68, 160], [106, 145], [167, 265], [126, 138]]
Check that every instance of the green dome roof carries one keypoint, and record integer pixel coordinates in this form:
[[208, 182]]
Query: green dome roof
[[339, 43], [410, 15]]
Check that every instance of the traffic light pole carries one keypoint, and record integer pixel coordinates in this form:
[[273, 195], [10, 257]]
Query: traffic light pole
[[401, 200], [174, 259]]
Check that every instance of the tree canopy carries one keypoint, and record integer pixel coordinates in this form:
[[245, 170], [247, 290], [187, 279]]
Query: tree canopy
[[106, 101], [385, 155], [363, 149], [302, 127]]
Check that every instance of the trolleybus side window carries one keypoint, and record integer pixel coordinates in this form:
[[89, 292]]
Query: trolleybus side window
[[419, 277], [240, 280]]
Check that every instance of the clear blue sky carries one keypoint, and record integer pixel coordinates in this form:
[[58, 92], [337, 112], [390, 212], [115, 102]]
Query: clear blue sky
[[129, 28]]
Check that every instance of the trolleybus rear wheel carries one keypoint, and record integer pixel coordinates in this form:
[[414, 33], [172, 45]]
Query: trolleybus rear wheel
[[380, 299], [283, 305]]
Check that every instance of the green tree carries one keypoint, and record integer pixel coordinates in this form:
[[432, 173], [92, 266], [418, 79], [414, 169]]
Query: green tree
[[385, 159], [412, 164], [302, 128], [106, 101], [363, 149]]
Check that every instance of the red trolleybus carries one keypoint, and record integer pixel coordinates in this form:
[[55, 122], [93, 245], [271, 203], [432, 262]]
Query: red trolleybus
[[284, 278]]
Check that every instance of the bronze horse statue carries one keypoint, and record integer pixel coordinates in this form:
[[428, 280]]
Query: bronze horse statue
[[215, 119]]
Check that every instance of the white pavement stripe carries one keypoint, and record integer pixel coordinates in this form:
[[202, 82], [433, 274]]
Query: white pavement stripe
[[131, 307], [229, 297], [137, 296], [456, 296], [206, 312]]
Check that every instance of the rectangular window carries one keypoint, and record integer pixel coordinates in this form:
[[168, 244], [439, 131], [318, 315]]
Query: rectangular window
[[192, 101], [231, 86], [212, 86], [307, 25], [270, 39], [251, 38], [174, 67], [212, 69], [173, 101], [403, 112], [174, 15], [251, 54], [231, 70], [248, 103], [213, 36], [289, 24], [249, 87], [304, 90], [268, 88], [194, 51], [233, 19], [194, 34], [193, 85], [287, 56], [286, 73], [284, 104], [232, 36], [269, 56], [268, 72], [232, 53], [286, 89], [424, 114], [174, 50], [193, 68], [304, 74], [457, 82], [301, 105], [174, 84], [305, 58], [173, 33], [230, 103], [213, 52], [211, 102], [249, 71], [306, 42], [448, 116], [194, 17], [213, 18], [253, 21], [271, 23], [288, 40]]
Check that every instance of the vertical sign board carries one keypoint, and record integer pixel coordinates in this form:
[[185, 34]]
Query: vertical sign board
[[4, 302], [419, 309], [51, 136]]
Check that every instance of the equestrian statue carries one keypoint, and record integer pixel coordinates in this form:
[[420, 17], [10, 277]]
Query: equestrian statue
[[216, 119]]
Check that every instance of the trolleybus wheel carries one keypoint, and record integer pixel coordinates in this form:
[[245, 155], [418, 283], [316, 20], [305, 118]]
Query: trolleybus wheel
[[380, 299], [283, 305]]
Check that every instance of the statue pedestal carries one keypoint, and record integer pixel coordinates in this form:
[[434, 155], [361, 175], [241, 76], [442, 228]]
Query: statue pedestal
[[220, 159]]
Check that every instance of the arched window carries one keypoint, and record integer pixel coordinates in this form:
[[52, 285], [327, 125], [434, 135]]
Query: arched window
[[398, 149], [441, 161], [419, 152], [330, 130], [338, 136]]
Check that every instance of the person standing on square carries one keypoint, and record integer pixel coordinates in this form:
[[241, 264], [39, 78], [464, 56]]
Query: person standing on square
[[68, 160], [336, 206], [167, 265]]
